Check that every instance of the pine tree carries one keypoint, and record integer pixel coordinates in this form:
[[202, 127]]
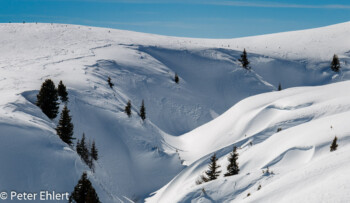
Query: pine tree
[[84, 150], [65, 127], [110, 82], [128, 108], [47, 99], [78, 148], [176, 78], [213, 173], [244, 60], [334, 144], [62, 92], [143, 111], [335, 65], [279, 87], [84, 192], [87, 155], [94, 151], [232, 168]]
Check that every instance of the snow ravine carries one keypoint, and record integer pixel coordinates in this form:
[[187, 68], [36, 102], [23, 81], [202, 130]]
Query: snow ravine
[[186, 122]]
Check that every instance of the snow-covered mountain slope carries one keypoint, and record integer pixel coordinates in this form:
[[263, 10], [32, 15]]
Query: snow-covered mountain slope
[[137, 158], [304, 168]]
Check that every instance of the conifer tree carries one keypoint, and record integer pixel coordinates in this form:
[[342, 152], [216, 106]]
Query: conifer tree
[[65, 127], [232, 168], [84, 192], [47, 99], [176, 78], [334, 144], [279, 87], [110, 82], [84, 151], [94, 151], [128, 108], [335, 65], [87, 155], [244, 60], [143, 111], [62, 92], [78, 148], [213, 173]]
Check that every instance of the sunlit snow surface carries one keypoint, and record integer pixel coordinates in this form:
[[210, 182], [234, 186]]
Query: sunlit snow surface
[[137, 158]]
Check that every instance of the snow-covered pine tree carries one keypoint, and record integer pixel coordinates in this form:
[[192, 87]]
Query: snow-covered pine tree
[[62, 92], [335, 65], [84, 192], [94, 151], [213, 172], [232, 168], [176, 78], [143, 111], [244, 60], [334, 144], [65, 127], [109, 80], [47, 99], [127, 109]]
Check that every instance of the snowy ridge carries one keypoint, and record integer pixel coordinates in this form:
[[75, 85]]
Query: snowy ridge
[[137, 157], [299, 155]]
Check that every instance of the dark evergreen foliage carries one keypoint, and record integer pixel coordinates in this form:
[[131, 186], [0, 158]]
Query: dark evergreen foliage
[[279, 87], [232, 168], [213, 173], [83, 150], [65, 127], [88, 156], [334, 144], [110, 82], [335, 65], [78, 148], [259, 187], [62, 92], [84, 192], [127, 109], [176, 78], [143, 111], [47, 99], [94, 151], [244, 60]]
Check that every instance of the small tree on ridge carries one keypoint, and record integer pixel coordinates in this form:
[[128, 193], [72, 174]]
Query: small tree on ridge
[[232, 168], [47, 99], [143, 111], [65, 127], [335, 65], [213, 172], [127, 109], [244, 60], [62, 92], [334, 144]]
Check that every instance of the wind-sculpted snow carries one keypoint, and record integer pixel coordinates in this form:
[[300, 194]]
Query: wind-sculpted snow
[[298, 156], [137, 158]]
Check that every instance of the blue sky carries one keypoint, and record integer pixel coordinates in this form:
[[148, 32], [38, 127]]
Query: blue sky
[[188, 18]]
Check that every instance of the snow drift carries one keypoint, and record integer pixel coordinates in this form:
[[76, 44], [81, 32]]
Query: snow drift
[[137, 158]]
